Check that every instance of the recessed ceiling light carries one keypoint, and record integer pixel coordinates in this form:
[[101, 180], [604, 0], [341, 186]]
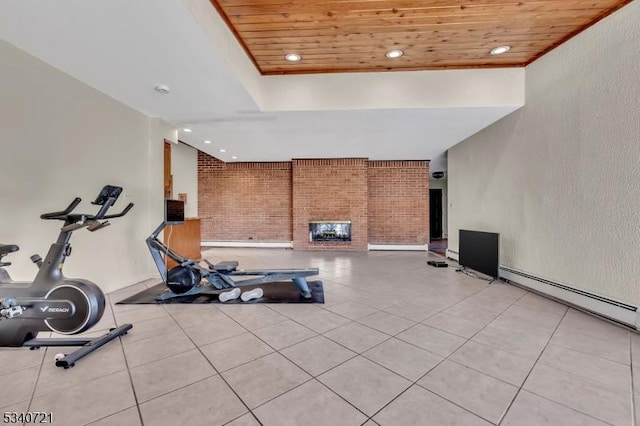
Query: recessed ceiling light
[[161, 88], [234, 158], [207, 141], [186, 130], [292, 57], [395, 53], [500, 50], [223, 150]]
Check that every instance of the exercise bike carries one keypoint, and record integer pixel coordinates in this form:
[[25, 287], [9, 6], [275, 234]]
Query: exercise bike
[[190, 278], [53, 302]]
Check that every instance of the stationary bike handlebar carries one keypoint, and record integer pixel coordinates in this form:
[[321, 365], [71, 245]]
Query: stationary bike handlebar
[[66, 215], [61, 215], [122, 213]]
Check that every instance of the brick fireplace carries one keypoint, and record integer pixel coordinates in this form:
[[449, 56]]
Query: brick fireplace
[[330, 231], [330, 190], [385, 202]]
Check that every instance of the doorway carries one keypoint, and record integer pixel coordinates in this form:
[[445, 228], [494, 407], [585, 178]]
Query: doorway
[[436, 243], [435, 214]]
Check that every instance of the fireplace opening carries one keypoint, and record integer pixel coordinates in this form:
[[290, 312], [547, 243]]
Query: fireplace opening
[[337, 230]]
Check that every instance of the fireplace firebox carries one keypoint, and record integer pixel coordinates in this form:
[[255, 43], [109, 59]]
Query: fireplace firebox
[[325, 230]]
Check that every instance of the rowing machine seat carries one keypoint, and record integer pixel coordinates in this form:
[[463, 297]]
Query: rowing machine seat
[[226, 266]]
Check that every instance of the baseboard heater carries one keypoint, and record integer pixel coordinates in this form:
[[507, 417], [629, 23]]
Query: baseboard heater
[[452, 254], [603, 306], [399, 247], [246, 244]]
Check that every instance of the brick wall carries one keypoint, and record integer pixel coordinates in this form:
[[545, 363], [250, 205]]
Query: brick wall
[[398, 202], [244, 201], [330, 189], [386, 201]]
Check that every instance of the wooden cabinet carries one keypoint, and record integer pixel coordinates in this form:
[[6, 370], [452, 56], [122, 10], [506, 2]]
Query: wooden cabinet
[[184, 239]]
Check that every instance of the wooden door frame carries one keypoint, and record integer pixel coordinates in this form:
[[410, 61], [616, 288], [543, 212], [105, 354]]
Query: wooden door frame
[[168, 177]]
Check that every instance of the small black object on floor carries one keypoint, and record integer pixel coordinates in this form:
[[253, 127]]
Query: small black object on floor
[[438, 263], [278, 292]]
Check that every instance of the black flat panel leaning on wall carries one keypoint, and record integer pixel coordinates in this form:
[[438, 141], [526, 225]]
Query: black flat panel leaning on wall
[[479, 251], [173, 212]]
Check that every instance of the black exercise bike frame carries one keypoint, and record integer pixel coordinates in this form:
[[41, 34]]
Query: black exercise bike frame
[[50, 275]]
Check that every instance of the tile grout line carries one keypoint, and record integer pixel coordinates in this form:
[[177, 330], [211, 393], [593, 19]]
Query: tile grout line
[[556, 402], [567, 407], [20, 369], [35, 384], [303, 325], [242, 415], [158, 359], [126, 363], [420, 322], [168, 392], [46, 350], [415, 383], [504, 414], [459, 347], [112, 414], [314, 377], [361, 353], [307, 372], [72, 385], [212, 366], [587, 353], [413, 325], [386, 340], [262, 340]]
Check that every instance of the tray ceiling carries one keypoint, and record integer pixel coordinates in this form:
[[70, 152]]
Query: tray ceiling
[[355, 35]]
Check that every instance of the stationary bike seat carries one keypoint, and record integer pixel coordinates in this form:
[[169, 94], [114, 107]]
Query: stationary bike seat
[[5, 249]]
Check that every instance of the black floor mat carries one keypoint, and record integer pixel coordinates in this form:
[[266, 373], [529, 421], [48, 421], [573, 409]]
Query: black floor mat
[[278, 292]]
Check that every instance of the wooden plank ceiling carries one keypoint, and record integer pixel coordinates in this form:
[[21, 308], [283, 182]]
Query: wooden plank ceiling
[[355, 35]]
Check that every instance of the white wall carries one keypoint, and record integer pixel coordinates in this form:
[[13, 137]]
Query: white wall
[[442, 184], [560, 178], [184, 168], [61, 139]]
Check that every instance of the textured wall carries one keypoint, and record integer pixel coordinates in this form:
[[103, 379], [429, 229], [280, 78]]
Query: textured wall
[[62, 139], [330, 189], [398, 202], [244, 201], [560, 178]]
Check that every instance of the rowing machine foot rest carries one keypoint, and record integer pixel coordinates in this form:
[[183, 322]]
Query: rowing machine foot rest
[[303, 286], [229, 295]]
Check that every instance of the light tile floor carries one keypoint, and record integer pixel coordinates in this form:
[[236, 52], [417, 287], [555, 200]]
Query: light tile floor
[[396, 343]]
